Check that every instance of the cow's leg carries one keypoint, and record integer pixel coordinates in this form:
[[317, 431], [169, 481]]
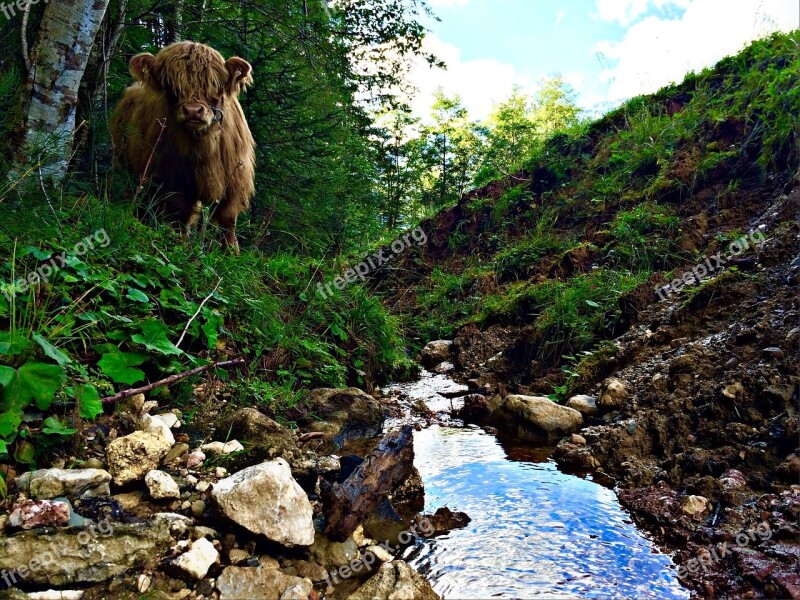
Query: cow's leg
[[189, 217], [225, 216]]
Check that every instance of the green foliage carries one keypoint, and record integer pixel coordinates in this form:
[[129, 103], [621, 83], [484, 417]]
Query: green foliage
[[644, 239], [85, 333], [518, 261]]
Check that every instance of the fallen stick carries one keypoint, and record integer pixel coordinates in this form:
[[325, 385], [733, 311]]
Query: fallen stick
[[170, 380], [348, 504]]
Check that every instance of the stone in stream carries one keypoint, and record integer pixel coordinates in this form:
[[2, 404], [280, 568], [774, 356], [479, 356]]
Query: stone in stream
[[260, 583], [130, 457], [476, 409], [535, 418], [435, 353], [395, 580], [265, 499], [74, 483], [341, 414]]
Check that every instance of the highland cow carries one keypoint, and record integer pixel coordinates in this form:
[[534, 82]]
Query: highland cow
[[181, 124]]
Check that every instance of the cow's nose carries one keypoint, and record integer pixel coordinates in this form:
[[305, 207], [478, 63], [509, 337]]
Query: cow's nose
[[194, 111]]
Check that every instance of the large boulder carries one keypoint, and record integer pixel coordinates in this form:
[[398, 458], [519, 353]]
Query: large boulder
[[435, 353], [260, 583], [60, 557], [132, 456], [266, 500], [342, 414], [536, 418], [395, 581], [75, 483]]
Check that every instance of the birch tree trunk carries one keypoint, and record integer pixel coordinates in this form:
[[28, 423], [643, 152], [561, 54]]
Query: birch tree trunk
[[60, 55]]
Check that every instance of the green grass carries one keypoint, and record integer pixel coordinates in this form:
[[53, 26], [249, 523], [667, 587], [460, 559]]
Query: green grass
[[111, 318]]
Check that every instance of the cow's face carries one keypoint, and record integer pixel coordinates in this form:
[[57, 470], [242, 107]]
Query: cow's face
[[196, 82]]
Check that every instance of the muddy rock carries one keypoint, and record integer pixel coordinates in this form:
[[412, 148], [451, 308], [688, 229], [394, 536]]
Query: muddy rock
[[130, 457], [30, 514], [161, 485], [73, 483], [411, 492], [65, 556], [586, 405], [198, 559], [435, 353], [342, 414], [535, 418], [266, 438], [614, 394], [442, 521], [259, 583], [266, 500], [332, 555], [395, 581], [176, 452]]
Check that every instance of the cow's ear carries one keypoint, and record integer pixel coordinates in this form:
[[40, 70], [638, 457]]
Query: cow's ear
[[141, 67], [240, 74]]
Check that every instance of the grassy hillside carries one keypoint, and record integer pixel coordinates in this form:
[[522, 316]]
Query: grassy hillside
[[125, 304], [604, 213]]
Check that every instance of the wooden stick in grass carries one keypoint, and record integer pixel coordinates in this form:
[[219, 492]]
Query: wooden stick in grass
[[170, 380]]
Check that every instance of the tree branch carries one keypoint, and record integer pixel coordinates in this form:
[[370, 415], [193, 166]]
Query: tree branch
[[170, 380]]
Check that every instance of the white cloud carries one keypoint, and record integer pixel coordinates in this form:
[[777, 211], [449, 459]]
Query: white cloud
[[657, 51], [481, 83], [560, 17], [621, 11]]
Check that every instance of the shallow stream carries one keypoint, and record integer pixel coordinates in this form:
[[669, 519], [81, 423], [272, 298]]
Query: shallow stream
[[535, 531]]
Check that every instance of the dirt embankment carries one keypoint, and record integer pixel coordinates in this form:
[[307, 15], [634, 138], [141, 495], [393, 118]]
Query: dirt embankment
[[704, 442]]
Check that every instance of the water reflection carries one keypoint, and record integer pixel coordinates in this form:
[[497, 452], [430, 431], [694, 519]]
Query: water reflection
[[535, 532]]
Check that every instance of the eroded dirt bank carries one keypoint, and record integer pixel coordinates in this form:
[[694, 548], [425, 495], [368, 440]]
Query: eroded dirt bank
[[697, 408]]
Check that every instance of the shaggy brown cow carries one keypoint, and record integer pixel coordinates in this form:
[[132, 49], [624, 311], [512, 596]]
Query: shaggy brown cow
[[206, 153]]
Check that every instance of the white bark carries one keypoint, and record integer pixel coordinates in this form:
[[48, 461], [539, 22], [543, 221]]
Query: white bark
[[60, 55]]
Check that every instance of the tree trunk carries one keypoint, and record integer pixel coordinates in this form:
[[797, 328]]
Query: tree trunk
[[58, 62], [347, 505]]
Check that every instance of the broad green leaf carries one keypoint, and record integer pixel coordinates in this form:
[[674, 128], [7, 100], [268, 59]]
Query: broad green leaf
[[13, 343], [33, 381], [6, 375], [118, 366], [3, 452], [89, 404], [51, 351], [24, 452], [53, 426], [213, 321], [154, 337], [9, 423], [137, 295]]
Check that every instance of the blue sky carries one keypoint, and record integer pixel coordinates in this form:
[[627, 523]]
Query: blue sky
[[608, 50]]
